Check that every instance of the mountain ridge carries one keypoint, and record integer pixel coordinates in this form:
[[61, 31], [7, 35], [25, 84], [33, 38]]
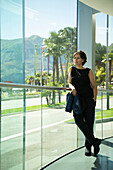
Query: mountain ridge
[[12, 60]]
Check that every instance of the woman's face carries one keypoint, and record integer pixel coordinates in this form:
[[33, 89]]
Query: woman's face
[[77, 60]]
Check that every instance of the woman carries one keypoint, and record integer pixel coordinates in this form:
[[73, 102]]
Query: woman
[[81, 81]]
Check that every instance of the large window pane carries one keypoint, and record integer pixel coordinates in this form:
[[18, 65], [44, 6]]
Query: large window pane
[[100, 49], [59, 132], [107, 115], [99, 115], [11, 41], [104, 76], [50, 31], [110, 52], [11, 56], [33, 129], [12, 125]]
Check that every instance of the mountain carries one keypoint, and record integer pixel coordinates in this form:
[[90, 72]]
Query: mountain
[[30, 55], [12, 58]]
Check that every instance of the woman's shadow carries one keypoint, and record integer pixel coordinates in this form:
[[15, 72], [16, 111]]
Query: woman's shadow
[[104, 162]]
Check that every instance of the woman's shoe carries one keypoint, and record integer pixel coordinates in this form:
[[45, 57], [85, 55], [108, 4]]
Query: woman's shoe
[[87, 152], [96, 146]]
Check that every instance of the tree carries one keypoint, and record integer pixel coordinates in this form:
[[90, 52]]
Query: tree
[[100, 75], [70, 45], [61, 44], [110, 57], [100, 50], [51, 49]]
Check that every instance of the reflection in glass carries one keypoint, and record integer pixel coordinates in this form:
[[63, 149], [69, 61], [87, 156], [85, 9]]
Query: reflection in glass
[[104, 51], [11, 42]]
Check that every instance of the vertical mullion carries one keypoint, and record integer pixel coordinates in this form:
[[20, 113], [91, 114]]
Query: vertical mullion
[[102, 114], [107, 60], [0, 81], [24, 92]]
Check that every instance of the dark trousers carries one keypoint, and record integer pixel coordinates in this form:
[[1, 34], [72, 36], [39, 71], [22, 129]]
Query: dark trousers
[[85, 122]]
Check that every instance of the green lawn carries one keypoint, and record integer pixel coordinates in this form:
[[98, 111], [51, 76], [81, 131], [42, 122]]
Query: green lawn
[[30, 108], [104, 96], [106, 114]]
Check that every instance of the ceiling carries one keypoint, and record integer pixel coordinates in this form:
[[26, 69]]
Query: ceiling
[[105, 6]]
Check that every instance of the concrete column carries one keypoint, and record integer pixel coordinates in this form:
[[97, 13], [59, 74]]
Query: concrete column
[[85, 32]]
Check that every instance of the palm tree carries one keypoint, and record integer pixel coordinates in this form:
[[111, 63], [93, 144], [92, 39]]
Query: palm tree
[[51, 45], [110, 56], [51, 49], [70, 45], [47, 46], [55, 52], [59, 44]]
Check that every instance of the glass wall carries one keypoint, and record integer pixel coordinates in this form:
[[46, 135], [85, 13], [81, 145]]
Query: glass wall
[[59, 133], [12, 41], [20, 132], [11, 71], [45, 132], [12, 129], [50, 40], [34, 128], [104, 116], [30, 119], [104, 74], [33, 139], [100, 48], [110, 52], [104, 50]]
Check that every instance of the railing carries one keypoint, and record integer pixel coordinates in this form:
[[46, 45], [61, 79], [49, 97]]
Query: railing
[[35, 130]]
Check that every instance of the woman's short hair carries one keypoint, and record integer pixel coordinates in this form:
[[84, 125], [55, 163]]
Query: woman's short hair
[[82, 55]]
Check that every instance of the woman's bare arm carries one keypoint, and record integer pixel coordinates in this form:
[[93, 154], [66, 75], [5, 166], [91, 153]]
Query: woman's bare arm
[[70, 83], [93, 84]]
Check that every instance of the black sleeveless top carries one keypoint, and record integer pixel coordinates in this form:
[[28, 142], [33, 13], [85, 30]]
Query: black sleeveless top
[[80, 80]]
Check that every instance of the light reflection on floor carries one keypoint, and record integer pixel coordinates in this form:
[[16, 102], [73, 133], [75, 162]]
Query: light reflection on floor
[[78, 161]]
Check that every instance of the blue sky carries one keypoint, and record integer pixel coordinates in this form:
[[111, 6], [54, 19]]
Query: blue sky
[[50, 16], [44, 16]]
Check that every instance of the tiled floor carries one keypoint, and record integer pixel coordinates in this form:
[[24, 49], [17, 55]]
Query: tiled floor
[[78, 161]]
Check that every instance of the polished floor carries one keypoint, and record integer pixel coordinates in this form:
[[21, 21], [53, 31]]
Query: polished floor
[[78, 161]]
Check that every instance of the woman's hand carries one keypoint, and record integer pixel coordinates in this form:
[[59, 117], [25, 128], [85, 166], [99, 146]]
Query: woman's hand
[[74, 92], [94, 99]]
